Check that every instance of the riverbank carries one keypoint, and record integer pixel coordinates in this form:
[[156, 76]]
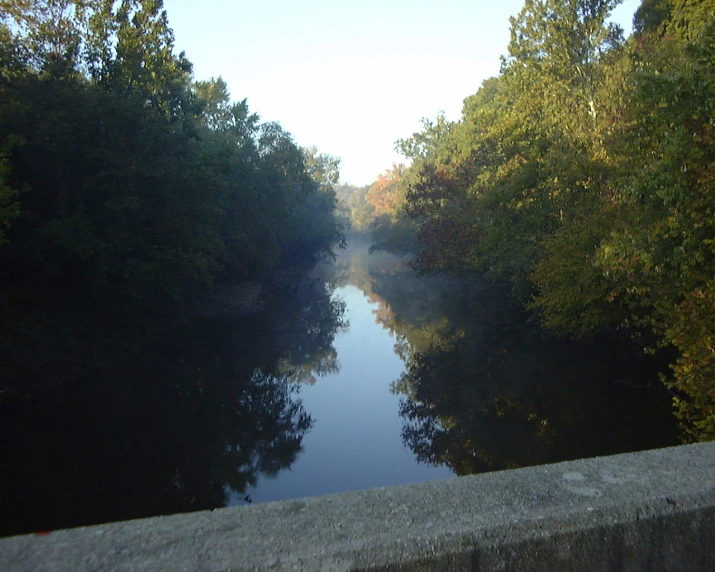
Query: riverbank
[[47, 343]]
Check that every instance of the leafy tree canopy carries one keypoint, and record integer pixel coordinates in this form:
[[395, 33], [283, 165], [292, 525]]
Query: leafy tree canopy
[[583, 174]]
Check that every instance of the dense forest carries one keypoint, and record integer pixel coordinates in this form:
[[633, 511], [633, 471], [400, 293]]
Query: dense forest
[[584, 177], [123, 177], [128, 190]]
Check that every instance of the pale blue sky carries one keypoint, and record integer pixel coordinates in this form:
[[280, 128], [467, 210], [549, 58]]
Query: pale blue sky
[[349, 77]]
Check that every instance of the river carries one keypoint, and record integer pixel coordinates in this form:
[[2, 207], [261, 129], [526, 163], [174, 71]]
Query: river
[[359, 375]]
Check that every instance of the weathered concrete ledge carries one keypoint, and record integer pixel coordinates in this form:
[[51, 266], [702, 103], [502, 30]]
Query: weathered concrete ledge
[[642, 511]]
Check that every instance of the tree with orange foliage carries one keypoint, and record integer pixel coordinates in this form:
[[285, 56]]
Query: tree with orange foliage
[[387, 194]]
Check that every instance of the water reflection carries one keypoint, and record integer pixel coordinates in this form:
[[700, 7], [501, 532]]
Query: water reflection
[[306, 321], [484, 390], [180, 426], [355, 442], [434, 376]]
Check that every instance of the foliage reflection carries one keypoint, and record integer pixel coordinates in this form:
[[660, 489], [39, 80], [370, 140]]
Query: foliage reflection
[[173, 428], [483, 390]]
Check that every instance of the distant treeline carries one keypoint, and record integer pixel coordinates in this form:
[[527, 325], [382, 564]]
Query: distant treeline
[[584, 175], [377, 210], [120, 176]]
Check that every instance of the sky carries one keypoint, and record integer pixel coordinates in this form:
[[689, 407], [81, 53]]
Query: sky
[[350, 77]]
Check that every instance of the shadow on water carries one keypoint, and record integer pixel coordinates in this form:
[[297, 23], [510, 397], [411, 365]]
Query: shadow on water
[[174, 425]]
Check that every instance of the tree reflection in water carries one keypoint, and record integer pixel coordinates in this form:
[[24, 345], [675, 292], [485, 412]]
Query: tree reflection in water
[[484, 390], [173, 429], [306, 324], [196, 420]]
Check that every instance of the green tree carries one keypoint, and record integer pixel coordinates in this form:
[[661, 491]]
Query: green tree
[[9, 207], [151, 185], [664, 253], [528, 155], [424, 142]]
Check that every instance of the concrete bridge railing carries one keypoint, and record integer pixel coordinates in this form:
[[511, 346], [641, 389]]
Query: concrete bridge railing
[[653, 510]]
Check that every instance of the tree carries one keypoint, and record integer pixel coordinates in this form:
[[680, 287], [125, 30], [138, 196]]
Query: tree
[[528, 155], [47, 31], [9, 207], [663, 254], [322, 168], [151, 185], [424, 142], [144, 65]]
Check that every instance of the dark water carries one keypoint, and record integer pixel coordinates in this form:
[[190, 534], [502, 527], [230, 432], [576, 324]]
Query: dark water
[[360, 375]]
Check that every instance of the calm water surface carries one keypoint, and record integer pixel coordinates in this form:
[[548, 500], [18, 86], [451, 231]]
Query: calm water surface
[[360, 375], [355, 441]]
